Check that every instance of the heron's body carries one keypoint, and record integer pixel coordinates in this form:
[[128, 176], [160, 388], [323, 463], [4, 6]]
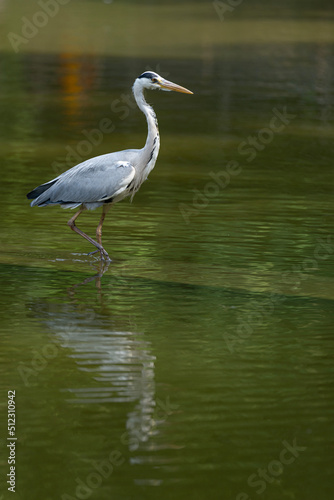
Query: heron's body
[[93, 183], [107, 179]]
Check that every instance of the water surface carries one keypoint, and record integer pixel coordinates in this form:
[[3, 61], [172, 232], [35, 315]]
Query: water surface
[[205, 349]]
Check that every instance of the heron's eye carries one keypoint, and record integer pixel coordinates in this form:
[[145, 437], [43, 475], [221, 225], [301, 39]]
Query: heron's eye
[[154, 80]]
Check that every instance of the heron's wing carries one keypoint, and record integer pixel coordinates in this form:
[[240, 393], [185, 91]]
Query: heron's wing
[[95, 180]]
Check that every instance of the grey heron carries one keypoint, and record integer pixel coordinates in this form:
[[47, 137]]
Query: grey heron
[[107, 179]]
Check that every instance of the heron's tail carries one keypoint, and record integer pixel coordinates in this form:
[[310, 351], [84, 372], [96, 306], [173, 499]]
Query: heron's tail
[[36, 193]]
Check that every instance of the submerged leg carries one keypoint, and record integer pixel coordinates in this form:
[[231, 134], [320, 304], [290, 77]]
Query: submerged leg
[[71, 223]]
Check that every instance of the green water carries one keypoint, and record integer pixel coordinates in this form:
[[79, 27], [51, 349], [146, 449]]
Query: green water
[[199, 364]]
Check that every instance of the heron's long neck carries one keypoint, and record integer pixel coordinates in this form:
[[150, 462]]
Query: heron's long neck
[[151, 148]]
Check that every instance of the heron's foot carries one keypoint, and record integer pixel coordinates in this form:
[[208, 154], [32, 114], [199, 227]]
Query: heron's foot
[[104, 255]]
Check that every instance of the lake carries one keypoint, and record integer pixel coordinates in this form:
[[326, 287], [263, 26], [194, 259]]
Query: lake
[[199, 363]]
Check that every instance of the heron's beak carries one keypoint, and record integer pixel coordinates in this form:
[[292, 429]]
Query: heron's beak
[[166, 85]]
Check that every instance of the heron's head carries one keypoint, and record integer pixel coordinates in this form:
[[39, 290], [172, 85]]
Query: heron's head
[[153, 81]]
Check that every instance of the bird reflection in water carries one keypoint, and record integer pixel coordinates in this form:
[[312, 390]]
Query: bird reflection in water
[[100, 269], [119, 360]]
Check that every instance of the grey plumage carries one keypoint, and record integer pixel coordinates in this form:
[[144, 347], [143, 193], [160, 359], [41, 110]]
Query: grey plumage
[[107, 179], [90, 183]]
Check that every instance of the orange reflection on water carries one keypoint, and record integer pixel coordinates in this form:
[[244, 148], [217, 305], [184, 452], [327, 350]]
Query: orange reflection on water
[[78, 76]]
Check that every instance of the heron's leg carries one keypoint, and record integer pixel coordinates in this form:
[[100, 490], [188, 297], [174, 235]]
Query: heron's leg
[[71, 223], [105, 210]]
